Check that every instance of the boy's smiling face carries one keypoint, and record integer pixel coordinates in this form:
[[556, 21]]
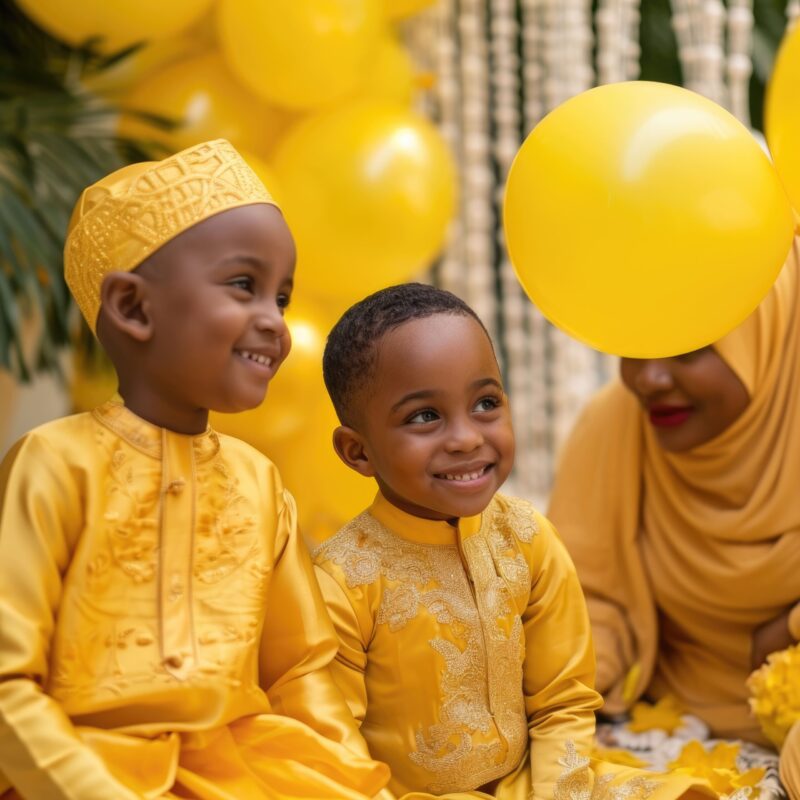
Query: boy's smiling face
[[213, 301], [434, 426]]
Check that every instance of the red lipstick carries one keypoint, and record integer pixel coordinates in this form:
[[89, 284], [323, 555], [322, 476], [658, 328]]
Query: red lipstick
[[669, 416]]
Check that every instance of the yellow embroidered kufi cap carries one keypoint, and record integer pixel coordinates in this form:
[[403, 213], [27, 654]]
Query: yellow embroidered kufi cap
[[125, 217]]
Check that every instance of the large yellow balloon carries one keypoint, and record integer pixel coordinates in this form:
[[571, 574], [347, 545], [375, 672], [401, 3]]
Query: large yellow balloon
[[399, 9], [297, 392], [645, 220], [369, 190], [391, 74], [299, 53], [202, 93], [782, 115], [328, 493], [120, 78], [118, 23], [93, 381], [156, 55]]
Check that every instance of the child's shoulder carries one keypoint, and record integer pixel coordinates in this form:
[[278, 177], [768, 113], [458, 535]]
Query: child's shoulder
[[237, 448], [63, 436], [516, 516], [364, 550]]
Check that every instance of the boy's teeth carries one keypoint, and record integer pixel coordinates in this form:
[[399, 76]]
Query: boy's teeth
[[266, 360], [467, 476]]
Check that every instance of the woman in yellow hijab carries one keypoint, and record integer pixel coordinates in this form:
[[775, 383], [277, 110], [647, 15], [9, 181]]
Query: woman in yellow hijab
[[678, 497]]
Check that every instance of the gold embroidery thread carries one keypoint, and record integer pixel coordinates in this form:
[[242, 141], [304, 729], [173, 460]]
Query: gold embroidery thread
[[476, 690]]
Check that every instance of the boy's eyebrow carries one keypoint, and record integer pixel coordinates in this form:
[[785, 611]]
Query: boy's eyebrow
[[424, 394], [421, 394], [241, 257], [487, 382], [253, 261]]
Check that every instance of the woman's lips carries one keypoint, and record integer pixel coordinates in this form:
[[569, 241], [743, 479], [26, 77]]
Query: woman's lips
[[669, 416]]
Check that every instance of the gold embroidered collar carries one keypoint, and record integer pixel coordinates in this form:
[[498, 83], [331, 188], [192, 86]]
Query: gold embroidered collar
[[418, 529], [146, 437]]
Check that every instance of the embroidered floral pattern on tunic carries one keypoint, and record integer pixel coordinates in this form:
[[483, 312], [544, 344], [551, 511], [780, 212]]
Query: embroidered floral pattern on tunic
[[225, 527], [578, 782], [481, 683], [123, 601], [131, 517]]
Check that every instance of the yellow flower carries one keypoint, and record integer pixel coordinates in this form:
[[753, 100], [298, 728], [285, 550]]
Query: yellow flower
[[665, 715], [718, 767], [775, 693], [613, 756]]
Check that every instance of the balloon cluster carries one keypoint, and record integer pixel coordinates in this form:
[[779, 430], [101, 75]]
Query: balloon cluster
[[317, 96]]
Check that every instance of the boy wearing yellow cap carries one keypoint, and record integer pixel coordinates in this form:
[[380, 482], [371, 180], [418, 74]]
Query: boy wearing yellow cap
[[161, 631]]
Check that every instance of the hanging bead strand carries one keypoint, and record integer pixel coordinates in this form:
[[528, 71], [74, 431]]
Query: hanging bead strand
[[740, 64], [505, 48]]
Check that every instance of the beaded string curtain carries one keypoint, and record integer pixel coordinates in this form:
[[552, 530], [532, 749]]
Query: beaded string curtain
[[499, 67]]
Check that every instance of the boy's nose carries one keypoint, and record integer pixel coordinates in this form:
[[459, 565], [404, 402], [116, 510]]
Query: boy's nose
[[654, 375], [463, 436], [269, 318]]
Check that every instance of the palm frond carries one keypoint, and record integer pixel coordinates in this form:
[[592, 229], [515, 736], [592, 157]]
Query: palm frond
[[55, 139]]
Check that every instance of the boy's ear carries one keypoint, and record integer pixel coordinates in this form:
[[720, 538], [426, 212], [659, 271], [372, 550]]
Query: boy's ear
[[349, 446], [125, 303]]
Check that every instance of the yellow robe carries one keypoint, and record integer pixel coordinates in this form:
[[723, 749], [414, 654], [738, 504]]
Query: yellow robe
[[161, 630], [464, 652], [683, 555]]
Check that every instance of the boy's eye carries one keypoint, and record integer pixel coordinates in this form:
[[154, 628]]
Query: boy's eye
[[423, 417], [243, 282], [283, 301], [487, 403]]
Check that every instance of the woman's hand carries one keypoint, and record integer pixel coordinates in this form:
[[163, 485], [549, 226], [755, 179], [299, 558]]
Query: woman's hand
[[769, 638]]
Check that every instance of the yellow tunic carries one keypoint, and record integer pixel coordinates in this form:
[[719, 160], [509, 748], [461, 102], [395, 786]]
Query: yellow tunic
[[160, 626], [464, 652]]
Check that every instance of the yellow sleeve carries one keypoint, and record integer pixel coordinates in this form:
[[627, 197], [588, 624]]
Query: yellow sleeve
[[349, 667], [613, 643], [790, 763], [559, 662], [298, 642], [41, 518]]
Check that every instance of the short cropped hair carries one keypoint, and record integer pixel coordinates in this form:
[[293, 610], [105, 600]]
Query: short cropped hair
[[351, 350]]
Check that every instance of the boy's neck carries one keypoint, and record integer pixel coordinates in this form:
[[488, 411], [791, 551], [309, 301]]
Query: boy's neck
[[414, 510], [157, 410]]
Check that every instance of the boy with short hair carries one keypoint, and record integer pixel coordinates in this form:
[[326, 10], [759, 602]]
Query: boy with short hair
[[161, 631], [464, 644]]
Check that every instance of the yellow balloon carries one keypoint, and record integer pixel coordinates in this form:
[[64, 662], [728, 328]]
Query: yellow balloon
[[297, 392], [782, 115], [645, 220], [118, 24], [391, 74], [156, 55], [399, 9], [369, 190], [93, 382], [299, 53], [202, 92], [328, 493]]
